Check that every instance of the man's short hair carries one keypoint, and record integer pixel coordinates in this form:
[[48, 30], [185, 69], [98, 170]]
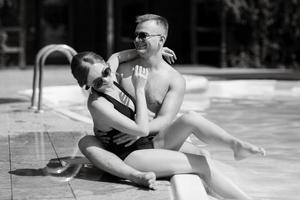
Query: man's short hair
[[158, 19], [81, 63]]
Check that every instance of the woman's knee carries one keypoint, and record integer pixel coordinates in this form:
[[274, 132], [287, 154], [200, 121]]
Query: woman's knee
[[85, 142]]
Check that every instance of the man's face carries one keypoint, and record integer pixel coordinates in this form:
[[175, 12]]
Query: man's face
[[148, 37]]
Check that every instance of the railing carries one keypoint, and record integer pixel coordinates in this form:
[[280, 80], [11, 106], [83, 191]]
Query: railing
[[40, 60]]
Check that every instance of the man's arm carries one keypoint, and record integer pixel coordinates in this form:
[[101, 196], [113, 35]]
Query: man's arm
[[170, 106]]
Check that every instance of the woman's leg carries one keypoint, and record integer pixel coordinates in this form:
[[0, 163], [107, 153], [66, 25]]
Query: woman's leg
[[92, 148], [166, 163], [174, 136]]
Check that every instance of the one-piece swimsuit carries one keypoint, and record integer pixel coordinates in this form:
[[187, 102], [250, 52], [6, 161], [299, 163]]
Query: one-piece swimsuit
[[120, 150]]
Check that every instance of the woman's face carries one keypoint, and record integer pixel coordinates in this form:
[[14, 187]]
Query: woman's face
[[100, 77]]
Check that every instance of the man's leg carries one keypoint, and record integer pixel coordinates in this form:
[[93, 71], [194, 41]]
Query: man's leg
[[174, 136], [92, 148]]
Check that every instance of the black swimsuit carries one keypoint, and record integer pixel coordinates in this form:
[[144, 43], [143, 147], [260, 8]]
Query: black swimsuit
[[121, 150]]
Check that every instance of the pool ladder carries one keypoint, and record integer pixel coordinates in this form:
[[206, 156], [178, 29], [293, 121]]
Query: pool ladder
[[40, 60]]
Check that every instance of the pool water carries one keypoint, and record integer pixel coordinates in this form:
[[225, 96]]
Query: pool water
[[263, 112], [273, 125]]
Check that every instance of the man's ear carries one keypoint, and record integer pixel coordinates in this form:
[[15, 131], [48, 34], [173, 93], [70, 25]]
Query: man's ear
[[163, 39]]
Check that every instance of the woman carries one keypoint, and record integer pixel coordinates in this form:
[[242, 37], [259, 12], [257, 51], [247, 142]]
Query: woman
[[112, 110]]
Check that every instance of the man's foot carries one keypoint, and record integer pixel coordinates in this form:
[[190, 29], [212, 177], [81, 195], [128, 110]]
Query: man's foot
[[243, 150], [147, 179]]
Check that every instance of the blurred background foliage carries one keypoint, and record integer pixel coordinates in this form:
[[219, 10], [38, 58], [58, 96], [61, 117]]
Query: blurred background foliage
[[267, 33]]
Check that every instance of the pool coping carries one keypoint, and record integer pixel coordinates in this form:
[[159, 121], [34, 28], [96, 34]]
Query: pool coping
[[239, 73]]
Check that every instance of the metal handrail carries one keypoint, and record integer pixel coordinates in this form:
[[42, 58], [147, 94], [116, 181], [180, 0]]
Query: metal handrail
[[41, 57], [36, 68]]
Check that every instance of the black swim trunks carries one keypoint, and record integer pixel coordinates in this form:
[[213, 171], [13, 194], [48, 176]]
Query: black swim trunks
[[120, 150]]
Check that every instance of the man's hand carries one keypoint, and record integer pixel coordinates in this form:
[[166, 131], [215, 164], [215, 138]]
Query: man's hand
[[122, 138]]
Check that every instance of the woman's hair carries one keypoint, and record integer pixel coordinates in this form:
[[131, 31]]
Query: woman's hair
[[81, 63]]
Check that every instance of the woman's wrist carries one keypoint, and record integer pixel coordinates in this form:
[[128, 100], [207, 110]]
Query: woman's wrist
[[140, 91]]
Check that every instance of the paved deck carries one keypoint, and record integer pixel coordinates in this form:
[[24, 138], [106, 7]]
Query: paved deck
[[32, 146]]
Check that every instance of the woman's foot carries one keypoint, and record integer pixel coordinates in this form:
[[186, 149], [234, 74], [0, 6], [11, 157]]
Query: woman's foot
[[243, 150], [147, 179]]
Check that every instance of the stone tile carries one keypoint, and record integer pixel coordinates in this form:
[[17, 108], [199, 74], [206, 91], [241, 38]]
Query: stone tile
[[31, 147], [4, 175], [5, 193], [109, 190], [66, 144], [65, 138], [102, 186], [31, 181], [32, 157], [39, 193], [4, 149]]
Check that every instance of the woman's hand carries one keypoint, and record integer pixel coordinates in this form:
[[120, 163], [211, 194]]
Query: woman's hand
[[169, 55], [139, 77], [102, 136], [126, 139]]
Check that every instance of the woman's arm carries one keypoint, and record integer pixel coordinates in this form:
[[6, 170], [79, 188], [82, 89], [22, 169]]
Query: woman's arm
[[123, 56], [115, 59], [139, 80], [104, 112]]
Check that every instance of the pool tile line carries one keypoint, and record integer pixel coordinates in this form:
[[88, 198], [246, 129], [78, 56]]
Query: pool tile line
[[10, 168]]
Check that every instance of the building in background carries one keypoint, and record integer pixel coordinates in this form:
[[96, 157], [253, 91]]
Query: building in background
[[107, 26]]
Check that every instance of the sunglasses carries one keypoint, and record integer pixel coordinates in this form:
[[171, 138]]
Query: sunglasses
[[144, 35], [98, 82]]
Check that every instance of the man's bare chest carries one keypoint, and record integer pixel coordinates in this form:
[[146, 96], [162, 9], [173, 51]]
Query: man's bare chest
[[156, 90]]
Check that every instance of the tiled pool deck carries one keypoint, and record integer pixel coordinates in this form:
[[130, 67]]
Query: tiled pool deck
[[30, 142]]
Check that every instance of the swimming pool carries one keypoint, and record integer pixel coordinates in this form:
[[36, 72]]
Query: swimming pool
[[263, 112]]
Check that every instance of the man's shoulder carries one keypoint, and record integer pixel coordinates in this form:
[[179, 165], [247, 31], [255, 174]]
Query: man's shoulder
[[173, 73], [176, 79]]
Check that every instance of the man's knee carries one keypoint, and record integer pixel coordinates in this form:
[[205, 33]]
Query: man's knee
[[190, 117], [207, 167]]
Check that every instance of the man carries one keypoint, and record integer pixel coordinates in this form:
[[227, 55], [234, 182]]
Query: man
[[165, 86]]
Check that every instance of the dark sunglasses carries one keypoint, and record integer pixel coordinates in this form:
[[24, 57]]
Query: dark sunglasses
[[144, 35], [98, 82]]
